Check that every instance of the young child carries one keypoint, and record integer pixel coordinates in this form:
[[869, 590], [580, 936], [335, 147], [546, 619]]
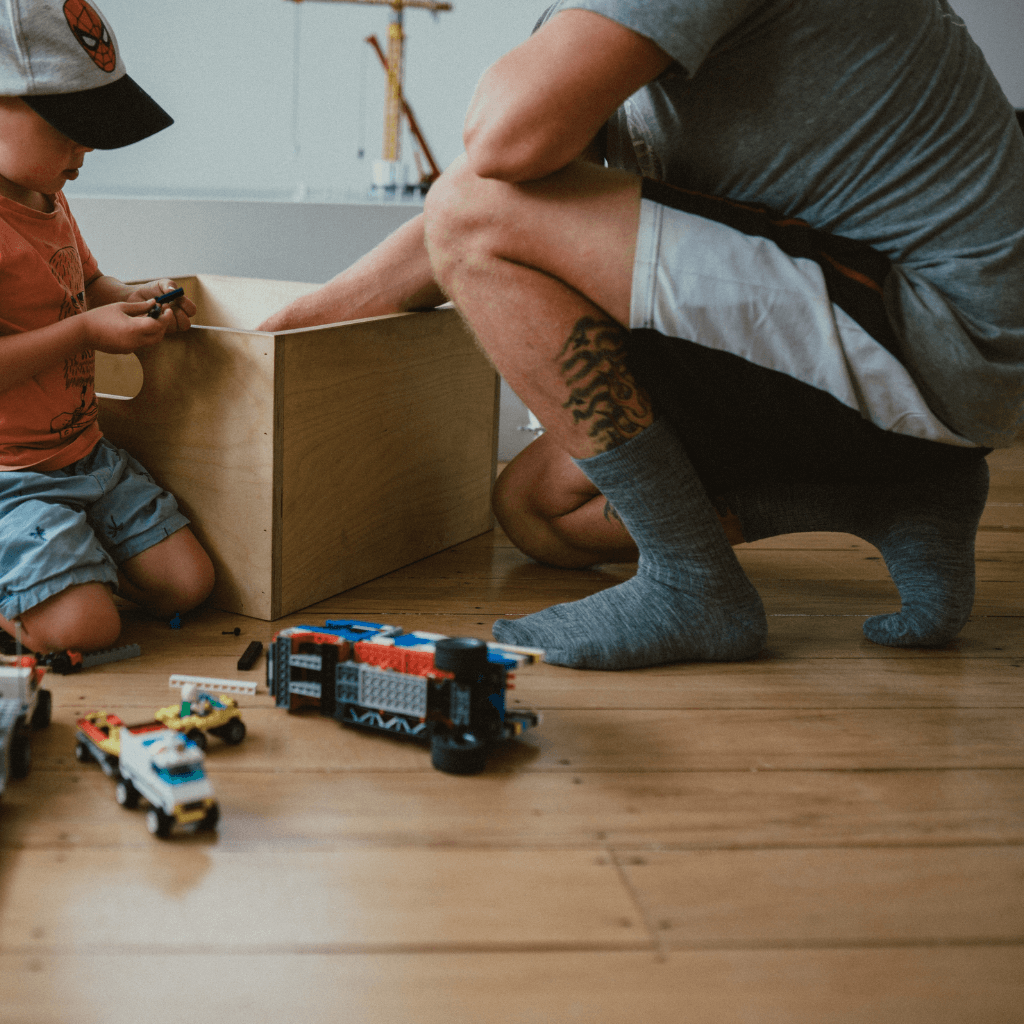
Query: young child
[[79, 519]]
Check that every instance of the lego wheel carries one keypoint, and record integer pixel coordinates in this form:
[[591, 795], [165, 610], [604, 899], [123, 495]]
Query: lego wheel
[[82, 753], [21, 751], [61, 664], [233, 732], [209, 822], [126, 794], [460, 655], [158, 823], [457, 755], [198, 737], [44, 708]]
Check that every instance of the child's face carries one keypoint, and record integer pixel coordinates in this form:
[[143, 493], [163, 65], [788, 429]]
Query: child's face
[[35, 158]]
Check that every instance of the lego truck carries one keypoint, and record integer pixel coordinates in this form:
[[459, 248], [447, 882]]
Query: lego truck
[[447, 691], [20, 676], [166, 769]]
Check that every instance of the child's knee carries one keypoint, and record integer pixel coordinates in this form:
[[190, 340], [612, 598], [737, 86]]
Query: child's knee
[[193, 588], [175, 575], [81, 618]]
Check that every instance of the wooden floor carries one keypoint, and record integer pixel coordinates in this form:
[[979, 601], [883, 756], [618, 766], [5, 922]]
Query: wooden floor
[[830, 834]]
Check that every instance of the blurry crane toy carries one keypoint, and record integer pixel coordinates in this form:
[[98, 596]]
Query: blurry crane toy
[[389, 173]]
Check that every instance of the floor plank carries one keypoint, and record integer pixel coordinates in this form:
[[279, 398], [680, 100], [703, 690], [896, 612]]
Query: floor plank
[[615, 810], [194, 896], [931, 985], [835, 897]]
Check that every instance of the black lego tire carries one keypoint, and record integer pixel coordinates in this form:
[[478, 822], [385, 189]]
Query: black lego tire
[[44, 710], [233, 732], [21, 751], [460, 655], [198, 737], [456, 756], [82, 753], [126, 794], [210, 819], [158, 823]]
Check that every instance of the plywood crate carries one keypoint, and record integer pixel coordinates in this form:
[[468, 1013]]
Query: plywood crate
[[313, 460]]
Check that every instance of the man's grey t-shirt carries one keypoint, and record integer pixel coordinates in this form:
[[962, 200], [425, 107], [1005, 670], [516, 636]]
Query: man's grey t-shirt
[[873, 119]]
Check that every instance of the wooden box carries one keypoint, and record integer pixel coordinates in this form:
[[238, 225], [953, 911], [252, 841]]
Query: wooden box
[[312, 460]]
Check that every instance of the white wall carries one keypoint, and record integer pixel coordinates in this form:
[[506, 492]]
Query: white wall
[[273, 99]]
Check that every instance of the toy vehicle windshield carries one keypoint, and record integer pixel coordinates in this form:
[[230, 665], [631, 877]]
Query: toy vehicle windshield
[[180, 773]]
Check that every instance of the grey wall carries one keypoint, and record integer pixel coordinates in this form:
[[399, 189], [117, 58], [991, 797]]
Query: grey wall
[[136, 238], [997, 26]]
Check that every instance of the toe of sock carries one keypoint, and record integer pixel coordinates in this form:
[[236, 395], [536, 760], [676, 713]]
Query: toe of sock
[[906, 629], [508, 631]]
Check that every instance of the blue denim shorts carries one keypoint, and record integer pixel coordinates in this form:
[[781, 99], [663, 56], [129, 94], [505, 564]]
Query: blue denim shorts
[[77, 525]]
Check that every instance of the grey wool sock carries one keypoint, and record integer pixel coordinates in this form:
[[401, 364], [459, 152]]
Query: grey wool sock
[[689, 600], [924, 528]]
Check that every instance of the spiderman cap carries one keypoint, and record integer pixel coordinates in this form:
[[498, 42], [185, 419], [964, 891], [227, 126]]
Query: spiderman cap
[[61, 58]]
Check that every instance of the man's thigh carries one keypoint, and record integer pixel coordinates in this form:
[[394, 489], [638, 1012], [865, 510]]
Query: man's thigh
[[578, 225]]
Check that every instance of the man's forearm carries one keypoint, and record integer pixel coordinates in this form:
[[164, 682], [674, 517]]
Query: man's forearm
[[395, 277]]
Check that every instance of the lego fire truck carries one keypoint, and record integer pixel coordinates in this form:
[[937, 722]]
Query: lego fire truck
[[447, 691], [166, 769]]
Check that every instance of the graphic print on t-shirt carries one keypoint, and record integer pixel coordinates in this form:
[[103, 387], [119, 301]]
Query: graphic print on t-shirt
[[66, 267]]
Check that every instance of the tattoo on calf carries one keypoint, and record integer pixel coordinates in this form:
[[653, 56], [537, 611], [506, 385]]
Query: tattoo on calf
[[602, 392], [610, 514]]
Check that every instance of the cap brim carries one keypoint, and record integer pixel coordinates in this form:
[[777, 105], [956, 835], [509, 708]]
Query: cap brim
[[109, 117]]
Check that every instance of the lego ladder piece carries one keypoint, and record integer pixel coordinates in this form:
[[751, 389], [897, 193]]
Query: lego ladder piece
[[219, 685], [111, 654]]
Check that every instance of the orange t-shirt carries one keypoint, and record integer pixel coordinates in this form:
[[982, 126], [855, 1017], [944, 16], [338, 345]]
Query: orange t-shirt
[[48, 421]]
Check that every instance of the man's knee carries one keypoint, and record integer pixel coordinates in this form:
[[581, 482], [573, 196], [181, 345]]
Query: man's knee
[[462, 217]]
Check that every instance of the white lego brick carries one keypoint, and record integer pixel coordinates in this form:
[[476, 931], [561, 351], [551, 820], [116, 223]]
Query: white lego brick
[[219, 685]]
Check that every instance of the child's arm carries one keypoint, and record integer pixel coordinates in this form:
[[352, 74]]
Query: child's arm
[[111, 324]]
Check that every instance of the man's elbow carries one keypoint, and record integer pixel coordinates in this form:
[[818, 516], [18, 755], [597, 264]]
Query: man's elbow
[[512, 157]]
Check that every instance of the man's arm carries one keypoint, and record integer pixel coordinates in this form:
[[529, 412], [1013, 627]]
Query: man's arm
[[394, 277], [538, 108], [545, 102]]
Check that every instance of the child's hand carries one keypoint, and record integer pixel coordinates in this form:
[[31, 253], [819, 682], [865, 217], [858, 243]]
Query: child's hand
[[174, 316], [122, 327]]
